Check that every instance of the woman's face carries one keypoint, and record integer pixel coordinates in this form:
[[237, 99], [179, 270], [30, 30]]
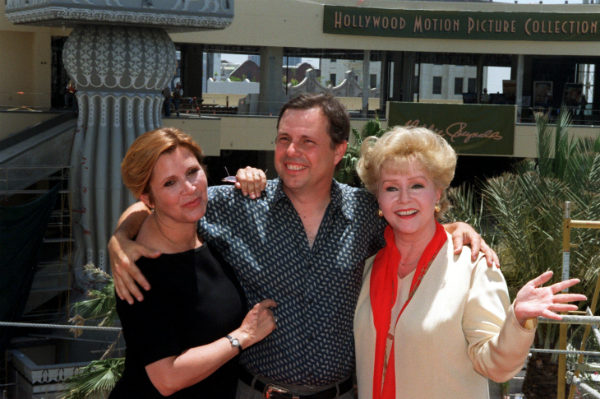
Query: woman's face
[[177, 187], [407, 198]]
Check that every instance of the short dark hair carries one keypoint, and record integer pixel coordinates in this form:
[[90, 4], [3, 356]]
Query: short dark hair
[[336, 114]]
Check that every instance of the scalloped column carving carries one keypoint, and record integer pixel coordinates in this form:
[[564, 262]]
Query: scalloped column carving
[[119, 73]]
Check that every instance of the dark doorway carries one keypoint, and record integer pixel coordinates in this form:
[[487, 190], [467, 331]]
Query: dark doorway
[[60, 79]]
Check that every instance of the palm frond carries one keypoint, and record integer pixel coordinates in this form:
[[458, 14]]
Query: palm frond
[[346, 170], [99, 377], [101, 306], [96, 380]]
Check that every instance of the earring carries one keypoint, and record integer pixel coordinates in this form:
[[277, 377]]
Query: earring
[[380, 213], [437, 208]]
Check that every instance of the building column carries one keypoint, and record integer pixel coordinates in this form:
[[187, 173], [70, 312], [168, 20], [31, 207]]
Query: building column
[[408, 76], [480, 78], [366, 82], [519, 84], [192, 69], [272, 96], [384, 80], [119, 73]]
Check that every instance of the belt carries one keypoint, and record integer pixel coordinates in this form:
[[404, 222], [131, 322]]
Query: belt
[[272, 391]]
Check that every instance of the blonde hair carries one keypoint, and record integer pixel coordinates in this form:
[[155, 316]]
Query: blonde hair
[[137, 166], [402, 145]]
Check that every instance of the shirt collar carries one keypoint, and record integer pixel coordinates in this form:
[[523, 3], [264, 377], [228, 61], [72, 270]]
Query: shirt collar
[[278, 193], [336, 196]]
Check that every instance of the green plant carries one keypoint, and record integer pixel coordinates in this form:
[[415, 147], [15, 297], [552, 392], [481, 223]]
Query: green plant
[[523, 212], [346, 170], [98, 378]]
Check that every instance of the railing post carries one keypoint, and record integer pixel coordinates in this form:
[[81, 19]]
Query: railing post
[[562, 340]]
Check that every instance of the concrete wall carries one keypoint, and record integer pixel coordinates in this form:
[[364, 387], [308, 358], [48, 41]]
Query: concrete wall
[[25, 63], [233, 132], [205, 131], [25, 56], [25, 53], [229, 87], [300, 24], [258, 133], [25, 69]]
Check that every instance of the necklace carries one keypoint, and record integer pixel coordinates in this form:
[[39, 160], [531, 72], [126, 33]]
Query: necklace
[[177, 245]]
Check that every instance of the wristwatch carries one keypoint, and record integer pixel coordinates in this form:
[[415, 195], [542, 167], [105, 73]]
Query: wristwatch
[[235, 343]]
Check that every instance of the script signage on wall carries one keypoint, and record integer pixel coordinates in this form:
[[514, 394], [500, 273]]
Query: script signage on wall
[[469, 128]]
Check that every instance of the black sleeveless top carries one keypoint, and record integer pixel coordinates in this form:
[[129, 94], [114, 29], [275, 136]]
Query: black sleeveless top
[[194, 300]]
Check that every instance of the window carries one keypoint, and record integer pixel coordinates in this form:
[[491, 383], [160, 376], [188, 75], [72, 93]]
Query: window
[[472, 85], [437, 85], [373, 80], [332, 79], [458, 85]]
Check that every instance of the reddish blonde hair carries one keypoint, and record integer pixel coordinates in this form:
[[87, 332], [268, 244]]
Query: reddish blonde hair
[[137, 166]]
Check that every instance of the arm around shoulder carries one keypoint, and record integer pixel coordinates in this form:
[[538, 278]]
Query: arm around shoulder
[[123, 253]]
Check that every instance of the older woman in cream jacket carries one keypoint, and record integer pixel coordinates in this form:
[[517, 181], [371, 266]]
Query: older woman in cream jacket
[[429, 323]]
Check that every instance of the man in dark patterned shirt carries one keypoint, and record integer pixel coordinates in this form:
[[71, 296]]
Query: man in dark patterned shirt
[[303, 243]]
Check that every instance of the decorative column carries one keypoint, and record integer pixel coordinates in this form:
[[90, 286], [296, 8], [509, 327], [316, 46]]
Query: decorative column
[[120, 58], [119, 72]]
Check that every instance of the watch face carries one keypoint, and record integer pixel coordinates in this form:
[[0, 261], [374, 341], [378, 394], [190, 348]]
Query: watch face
[[234, 342]]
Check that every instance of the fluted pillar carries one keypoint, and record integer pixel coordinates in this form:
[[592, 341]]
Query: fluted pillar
[[119, 73]]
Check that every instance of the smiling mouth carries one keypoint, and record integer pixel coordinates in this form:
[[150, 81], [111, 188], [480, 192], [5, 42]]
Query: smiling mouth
[[294, 167], [407, 213], [193, 202]]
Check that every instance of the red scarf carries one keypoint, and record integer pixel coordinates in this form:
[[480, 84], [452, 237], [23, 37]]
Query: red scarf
[[383, 290]]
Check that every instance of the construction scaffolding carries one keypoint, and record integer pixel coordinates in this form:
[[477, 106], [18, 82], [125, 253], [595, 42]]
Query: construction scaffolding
[[588, 319]]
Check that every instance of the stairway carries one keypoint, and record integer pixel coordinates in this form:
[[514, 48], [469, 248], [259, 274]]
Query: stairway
[[31, 163]]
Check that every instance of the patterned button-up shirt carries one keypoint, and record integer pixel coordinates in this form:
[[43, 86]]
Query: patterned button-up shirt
[[316, 288]]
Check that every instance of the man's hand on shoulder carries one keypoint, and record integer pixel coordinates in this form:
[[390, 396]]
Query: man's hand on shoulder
[[123, 252], [464, 234], [251, 181]]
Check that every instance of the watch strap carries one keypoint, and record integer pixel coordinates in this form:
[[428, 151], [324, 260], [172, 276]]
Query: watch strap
[[234, 342]]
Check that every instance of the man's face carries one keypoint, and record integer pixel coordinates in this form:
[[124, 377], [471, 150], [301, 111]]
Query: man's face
[[304, 157]]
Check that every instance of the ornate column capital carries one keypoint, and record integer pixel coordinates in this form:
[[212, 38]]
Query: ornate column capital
[[167, 14]]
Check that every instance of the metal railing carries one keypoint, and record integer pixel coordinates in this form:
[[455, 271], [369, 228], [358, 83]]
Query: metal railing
[[590, 321]]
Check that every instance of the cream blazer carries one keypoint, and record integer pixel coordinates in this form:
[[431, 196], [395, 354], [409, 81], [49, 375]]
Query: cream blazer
[[458, 330]]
